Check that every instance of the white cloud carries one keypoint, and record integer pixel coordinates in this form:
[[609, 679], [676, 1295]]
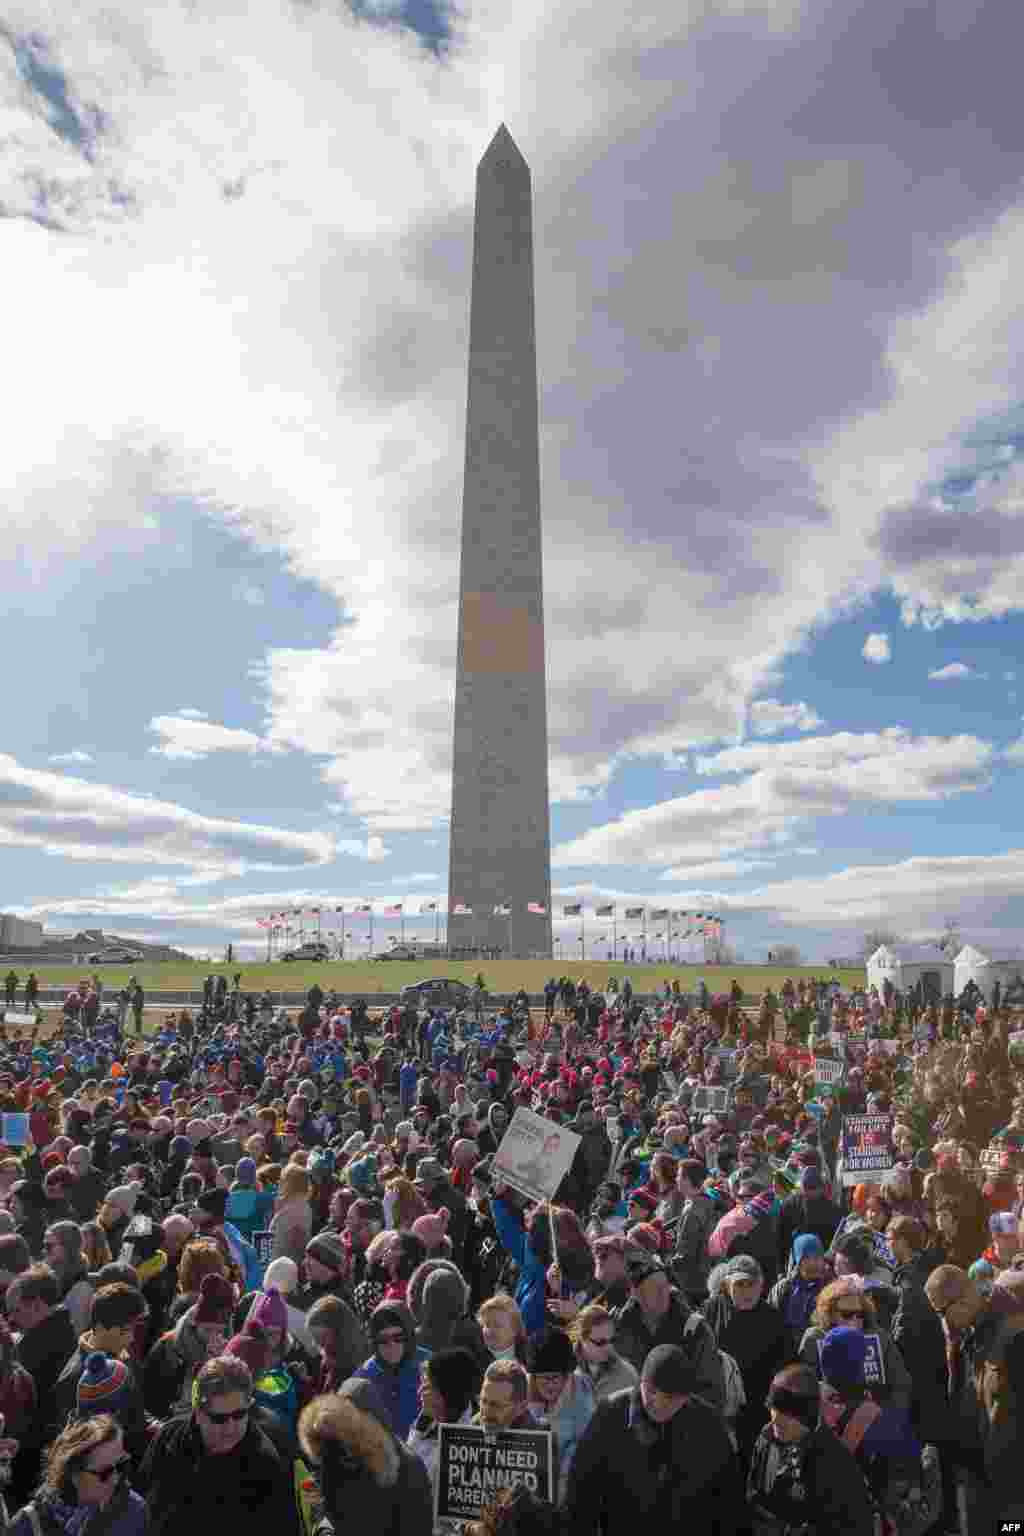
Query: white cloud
[[950, 673], [419, 879], [714, 869], [785, 785], [877, 649], [189, 738], [74, 756], [769, 717], [330, 287], [919, 890], [74, 819], [371, 848], [192, 714]]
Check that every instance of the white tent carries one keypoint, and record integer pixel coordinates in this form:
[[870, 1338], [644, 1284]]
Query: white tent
[[985, 967], [905, 967]]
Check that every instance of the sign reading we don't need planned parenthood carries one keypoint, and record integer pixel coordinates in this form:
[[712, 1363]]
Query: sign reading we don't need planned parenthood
[[474, 1463]]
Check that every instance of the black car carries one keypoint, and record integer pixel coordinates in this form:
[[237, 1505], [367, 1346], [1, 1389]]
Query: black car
[[437, 992]]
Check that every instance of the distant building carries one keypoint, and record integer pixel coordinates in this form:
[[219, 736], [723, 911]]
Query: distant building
[[19, 933]]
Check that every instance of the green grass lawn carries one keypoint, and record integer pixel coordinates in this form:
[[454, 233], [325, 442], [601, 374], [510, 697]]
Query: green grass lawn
[[391, 975]]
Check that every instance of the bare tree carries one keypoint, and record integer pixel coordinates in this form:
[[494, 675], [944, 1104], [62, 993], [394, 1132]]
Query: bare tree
[[875, 938]]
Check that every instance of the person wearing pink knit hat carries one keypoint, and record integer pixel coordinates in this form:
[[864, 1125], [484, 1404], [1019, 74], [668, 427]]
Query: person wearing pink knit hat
[[432, 1232]]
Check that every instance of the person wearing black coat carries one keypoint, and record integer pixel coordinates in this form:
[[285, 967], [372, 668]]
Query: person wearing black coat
[[800, 1475], [655, 1453], [756, 1337], [368, 1479], [917, 1329], [208, 1471], [809, 1210]]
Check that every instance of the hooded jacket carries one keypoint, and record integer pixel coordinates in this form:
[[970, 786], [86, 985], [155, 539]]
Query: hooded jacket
[[43, 1351], [691, 1264], [170, 1367], [438, 1299], [397, 1386], [369, 1481]]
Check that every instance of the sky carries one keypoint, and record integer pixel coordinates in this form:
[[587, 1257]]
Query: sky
[[781, 383]]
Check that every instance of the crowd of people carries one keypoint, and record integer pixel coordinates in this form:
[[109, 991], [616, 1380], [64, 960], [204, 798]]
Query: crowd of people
[[249, 1265]]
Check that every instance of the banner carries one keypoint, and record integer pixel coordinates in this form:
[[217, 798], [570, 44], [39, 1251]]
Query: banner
[[874, 1361], [827, 1073], [535, 1155], [867, 1148], [712, 1100], [474, 1462], [14, 1130]]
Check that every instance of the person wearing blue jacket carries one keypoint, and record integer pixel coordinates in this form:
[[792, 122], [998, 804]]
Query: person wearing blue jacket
[[395, 1365], [248, 1209], [529, 1248]]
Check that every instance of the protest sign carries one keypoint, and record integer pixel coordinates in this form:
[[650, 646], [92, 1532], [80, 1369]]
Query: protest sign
[[20, 1020], [535, 1155], [874, 1361], [867, 1148], [710, 1099], [473, 1463], [726, 1059], [14, 1130], [263, 1242], [827, 1073]]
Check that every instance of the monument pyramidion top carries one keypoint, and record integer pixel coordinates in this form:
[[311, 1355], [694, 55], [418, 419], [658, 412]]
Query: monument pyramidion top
[[503, 150]]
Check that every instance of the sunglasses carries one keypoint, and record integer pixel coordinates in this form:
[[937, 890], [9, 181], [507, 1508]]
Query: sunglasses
[[106, 1473], [228, 1418]]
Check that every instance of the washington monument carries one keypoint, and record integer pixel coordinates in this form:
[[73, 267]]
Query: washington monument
[[500, 830]]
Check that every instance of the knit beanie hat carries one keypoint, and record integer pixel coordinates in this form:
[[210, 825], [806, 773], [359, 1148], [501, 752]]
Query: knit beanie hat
[[328, 1248], [252, 1346], [103, 1386], [796, 1392], [550, 1352], [1002, 1224], [282, 1275], [214, 1202], [668, 1370], [124, 1198], [269, 1309], [245, 1172], [456, 1375], [432, 1230], [216, 1300], [807, 1245], [842, 1356]]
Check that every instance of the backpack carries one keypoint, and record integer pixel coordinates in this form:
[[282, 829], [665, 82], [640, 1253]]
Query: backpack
[[735, 1392]]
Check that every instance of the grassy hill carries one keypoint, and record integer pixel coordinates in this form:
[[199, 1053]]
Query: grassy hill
[[391, 975]]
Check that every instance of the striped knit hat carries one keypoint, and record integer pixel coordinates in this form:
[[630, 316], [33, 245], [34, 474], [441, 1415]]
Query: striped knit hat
[[103, 1386]]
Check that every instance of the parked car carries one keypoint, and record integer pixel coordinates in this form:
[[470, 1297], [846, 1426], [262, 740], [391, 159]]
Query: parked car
[[114, 957], [437, 992], [312, 951], [398, 952]]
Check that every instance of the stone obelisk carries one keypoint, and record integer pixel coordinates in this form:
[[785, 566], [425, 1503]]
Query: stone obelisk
[[500, 831]]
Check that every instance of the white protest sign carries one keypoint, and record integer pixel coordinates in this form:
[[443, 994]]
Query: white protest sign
[[827, 1072], [711, 1099], [474, 1462], [535, 1155], [24, 1020]]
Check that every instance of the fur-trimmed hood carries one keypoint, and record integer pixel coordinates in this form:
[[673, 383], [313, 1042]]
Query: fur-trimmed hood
[[336, 1430]]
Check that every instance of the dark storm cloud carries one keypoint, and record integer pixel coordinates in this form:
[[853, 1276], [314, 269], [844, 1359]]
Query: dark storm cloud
[[927, 532]]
